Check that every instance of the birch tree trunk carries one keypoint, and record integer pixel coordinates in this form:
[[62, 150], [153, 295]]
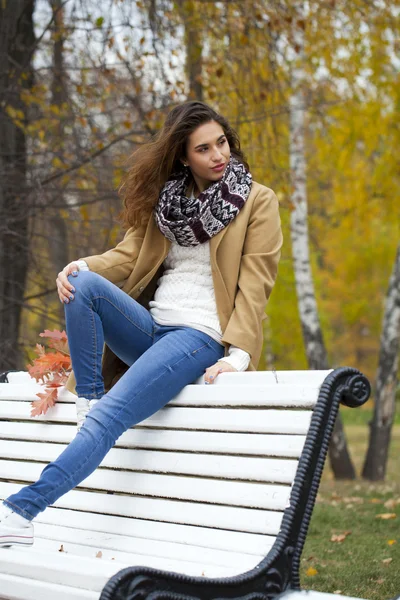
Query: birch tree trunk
[[16, 49], [311, 328], [194, 48], [386, 382]]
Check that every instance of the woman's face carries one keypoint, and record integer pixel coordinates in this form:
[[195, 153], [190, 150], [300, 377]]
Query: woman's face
[[207, 148]]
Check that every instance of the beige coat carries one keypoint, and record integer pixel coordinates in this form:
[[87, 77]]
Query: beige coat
[[244, 262]]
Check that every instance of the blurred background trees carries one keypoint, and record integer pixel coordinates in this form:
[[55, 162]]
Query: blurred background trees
[[84, 82]]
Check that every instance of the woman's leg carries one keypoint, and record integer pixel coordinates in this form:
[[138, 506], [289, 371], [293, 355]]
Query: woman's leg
[[100, 312], [178, 356]]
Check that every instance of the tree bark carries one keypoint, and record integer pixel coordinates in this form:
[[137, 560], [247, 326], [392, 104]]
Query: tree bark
[[375, 463], [16, 49], [194, 49], [58, 237], [312, 333]]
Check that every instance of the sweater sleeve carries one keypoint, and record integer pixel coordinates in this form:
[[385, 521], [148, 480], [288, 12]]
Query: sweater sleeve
[[82, 264], [237, 358]]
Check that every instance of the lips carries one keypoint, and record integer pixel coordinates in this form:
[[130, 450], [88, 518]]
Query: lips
[[218, 166]]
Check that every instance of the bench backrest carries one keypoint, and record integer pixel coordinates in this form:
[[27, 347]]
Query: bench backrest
[[219, 457]]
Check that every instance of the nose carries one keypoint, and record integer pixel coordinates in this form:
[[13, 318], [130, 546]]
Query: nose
[[218, 158]]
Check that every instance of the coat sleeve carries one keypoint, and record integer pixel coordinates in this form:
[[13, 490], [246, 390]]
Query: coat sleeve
[[258, 271], [117, 264]]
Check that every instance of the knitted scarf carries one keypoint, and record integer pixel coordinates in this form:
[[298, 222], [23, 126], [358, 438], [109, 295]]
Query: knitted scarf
[[192, 221]]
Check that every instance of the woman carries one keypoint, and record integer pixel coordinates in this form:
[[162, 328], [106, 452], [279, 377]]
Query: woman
[[196, 268]]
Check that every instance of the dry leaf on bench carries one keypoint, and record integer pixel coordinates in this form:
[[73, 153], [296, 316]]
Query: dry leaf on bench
[[99, 554]]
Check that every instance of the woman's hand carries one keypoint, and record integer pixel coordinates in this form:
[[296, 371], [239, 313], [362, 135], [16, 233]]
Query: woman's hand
[[220, 367], [64, 287]]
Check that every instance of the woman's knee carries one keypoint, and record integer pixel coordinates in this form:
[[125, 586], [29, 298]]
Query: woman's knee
[[85, 283]]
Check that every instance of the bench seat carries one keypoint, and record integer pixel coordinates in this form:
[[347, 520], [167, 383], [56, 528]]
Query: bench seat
[[200, 488]]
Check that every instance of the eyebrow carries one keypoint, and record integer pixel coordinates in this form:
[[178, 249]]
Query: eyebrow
[[200, 145]]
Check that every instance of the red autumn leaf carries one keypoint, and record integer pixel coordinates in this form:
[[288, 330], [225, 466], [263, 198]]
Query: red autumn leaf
[[58, 340], [47, 400], [54, 335], [59, 379], [53, 362], [40, 350]]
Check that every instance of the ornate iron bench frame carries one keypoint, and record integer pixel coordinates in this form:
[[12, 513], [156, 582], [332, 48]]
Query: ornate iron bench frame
[[279, 570]]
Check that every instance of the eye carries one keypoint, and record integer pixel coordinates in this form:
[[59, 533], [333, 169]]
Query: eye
[[221, 142]]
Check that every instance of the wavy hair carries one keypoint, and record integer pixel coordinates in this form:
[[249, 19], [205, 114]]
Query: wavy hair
[[153, 163]]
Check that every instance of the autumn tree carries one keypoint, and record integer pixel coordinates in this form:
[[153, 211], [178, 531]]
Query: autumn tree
[[17, 46]]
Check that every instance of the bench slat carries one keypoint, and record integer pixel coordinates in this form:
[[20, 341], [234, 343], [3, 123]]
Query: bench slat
[[246, 378], [46, 564], [272, 377], [207, 419], [82, 542], [205, 465], [201, 537], [60, 568], [19, 588], [285, 395], [229, 493], [194, 441], [171, 511]]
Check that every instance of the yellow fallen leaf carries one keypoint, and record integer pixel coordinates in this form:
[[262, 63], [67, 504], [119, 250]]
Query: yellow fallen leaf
[[311, 572], [375, 501], [391, 542], [386, 516], [387, 561], [380, 581]]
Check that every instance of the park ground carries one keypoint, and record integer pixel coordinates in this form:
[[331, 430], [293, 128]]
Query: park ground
[[353, 544]]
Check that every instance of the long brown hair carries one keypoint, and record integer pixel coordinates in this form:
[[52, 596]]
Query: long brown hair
[[153, 163]]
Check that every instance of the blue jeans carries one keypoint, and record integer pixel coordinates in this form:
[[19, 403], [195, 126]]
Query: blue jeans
[[162, 360]]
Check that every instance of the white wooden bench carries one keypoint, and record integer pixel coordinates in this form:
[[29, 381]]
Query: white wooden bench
[[211, 497]]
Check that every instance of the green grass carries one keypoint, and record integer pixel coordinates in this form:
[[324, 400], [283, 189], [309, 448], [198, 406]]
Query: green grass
[[355, 566], [363, 415]]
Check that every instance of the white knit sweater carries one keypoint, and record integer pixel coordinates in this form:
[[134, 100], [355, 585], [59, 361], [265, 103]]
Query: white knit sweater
[[185, 296]]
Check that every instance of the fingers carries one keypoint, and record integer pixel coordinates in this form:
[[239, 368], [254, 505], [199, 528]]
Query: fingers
[[65, 289], [212, 373]]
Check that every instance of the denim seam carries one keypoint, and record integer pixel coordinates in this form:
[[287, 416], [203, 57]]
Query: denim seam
[[121, 312], [201, 347], [94, 384], [22, 510]]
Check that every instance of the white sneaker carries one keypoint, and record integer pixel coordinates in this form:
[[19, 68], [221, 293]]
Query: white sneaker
[[14, 529], [82, 408]]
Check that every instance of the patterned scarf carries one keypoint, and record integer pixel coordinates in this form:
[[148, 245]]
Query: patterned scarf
[[192, 221]]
